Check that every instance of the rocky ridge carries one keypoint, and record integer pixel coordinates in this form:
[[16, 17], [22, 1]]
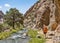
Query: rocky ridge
[[42, 12]]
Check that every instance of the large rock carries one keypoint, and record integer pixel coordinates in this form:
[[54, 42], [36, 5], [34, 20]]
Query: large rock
[[42, 12], [57, 13], [56, 38]]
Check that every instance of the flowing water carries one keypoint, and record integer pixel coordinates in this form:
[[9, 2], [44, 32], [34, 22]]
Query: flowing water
[[16, 40]]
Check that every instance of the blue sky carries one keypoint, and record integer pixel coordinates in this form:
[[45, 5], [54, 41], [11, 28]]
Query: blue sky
[[21, 5]]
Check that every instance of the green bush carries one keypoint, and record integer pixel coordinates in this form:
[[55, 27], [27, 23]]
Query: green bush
[[37, 40], [4, 35], [13, 31], [1, 27], [34, 39], [32, 33], [5, 26]]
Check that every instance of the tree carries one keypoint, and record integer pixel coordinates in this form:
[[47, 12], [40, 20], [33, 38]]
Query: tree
[[1, 27], [13, 17]]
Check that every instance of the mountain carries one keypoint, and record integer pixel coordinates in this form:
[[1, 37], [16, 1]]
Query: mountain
[[42, 12]]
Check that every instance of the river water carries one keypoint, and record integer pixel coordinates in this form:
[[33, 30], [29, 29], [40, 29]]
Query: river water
[[16, 40]]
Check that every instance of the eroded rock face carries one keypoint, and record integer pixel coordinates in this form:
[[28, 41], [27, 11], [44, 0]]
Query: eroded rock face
[[57, 13], [42, 12]]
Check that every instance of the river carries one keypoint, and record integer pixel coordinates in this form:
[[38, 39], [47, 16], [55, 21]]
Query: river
[[16, 38]]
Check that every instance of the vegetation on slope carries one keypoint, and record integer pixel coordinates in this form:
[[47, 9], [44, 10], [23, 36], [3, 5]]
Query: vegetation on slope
[[34, 39], [13, 22]]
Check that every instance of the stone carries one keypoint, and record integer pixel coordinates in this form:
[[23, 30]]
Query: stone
[[56, 38], [44, 12]]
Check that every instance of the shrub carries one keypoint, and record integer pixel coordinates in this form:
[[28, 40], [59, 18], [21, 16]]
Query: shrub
[[1, 27], [13, 31], [4, 35], [34, 39], [37, 40], [32, 33]]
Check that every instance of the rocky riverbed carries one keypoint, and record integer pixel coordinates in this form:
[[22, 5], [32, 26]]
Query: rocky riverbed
[[19, 37]]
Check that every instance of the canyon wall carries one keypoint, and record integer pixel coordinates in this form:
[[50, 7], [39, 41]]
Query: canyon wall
[[42, 12]]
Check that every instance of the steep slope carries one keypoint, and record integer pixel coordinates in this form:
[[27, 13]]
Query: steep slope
[[57, 12], [42, 12]]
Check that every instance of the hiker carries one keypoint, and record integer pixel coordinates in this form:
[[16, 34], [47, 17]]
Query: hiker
[[45, 29]]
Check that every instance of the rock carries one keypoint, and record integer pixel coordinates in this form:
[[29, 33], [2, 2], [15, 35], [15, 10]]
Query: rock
[[56, 38], [50, 34], [42, 12]]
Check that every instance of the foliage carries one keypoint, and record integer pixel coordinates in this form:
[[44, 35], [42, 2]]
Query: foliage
[[32, 33], [13, 18], [1, 27], [4, 35], [37, 40]]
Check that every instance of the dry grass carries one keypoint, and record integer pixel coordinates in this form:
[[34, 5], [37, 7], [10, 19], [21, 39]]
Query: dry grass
[[54, 26]]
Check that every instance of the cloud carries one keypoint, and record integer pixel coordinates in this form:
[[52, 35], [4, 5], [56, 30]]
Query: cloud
[[0, 7], [7, 5]]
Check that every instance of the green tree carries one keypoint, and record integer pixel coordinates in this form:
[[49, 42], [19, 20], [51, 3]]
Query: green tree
[[13, 17], [1, 27]]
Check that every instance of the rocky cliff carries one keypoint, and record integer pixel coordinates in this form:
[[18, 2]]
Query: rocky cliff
[[42, 12]]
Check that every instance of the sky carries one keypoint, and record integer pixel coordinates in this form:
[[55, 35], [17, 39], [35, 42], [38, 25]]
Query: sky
[[21, 5]]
